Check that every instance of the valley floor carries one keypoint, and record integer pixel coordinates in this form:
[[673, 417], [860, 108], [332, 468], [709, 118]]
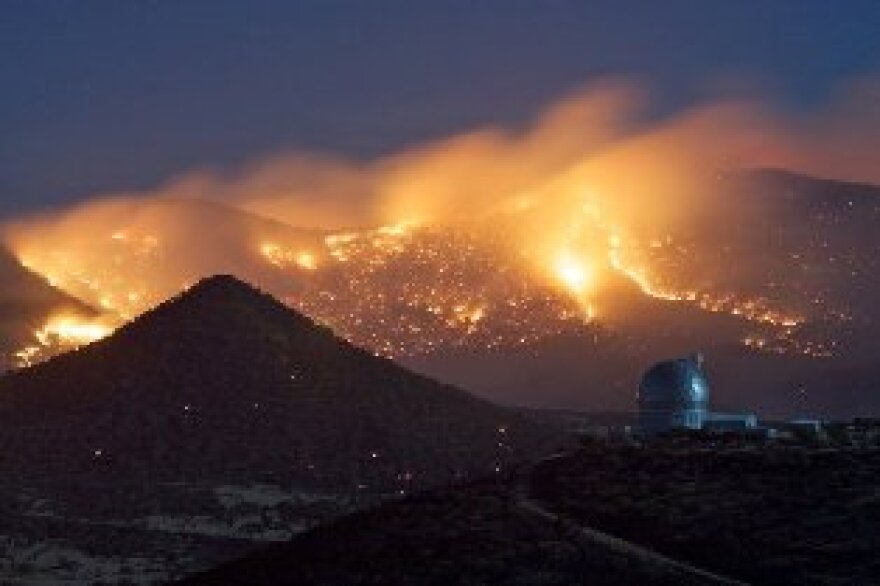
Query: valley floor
[[86, 531]]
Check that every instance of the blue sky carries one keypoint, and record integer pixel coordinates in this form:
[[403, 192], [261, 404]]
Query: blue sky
[[103, 95]]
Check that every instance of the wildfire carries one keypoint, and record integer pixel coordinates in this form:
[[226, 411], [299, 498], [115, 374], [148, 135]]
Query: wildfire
[[400, 289], [61, 333], [518, 231], [281, 257], [72, 330], [752, 310], [306, 260], [574, 273]]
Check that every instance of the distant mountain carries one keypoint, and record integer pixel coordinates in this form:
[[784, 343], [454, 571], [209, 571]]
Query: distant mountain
[[459, 303], [808, 245], [811, 244], [223, 381]]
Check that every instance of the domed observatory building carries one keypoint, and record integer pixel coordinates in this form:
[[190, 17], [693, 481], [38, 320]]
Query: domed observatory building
[[674, 394]]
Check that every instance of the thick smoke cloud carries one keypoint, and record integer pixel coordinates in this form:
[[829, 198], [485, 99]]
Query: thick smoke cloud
[[597, 151], [597, 139]]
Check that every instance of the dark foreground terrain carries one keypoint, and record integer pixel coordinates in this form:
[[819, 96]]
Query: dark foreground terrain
[[676, 512], [765, 515], [479, 534]]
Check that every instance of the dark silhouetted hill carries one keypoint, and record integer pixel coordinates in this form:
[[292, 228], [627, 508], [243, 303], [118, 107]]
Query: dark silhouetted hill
[[224, 380]]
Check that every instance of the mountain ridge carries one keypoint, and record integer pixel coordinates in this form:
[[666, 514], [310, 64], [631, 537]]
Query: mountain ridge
[[225, 377]]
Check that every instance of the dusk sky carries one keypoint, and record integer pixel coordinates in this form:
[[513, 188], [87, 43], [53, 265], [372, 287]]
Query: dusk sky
[[107, 95]]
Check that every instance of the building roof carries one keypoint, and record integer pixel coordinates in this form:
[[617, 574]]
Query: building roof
[[679, 383]]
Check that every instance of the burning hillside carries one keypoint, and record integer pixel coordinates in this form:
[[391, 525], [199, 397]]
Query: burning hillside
[[490, 239], [400, 290]]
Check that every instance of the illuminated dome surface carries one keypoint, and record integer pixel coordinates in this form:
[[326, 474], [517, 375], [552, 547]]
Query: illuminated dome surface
[[674, 393], [678, 382]]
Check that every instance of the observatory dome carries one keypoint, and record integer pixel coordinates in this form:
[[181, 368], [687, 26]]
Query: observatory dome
[[674, 394]]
